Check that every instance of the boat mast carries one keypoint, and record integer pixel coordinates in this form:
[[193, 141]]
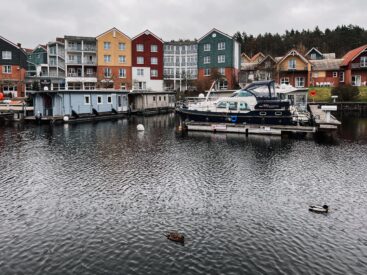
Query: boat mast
[[210, 90]]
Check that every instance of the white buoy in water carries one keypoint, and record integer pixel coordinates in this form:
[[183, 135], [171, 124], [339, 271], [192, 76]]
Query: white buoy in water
[[66, 118], [140, 127]]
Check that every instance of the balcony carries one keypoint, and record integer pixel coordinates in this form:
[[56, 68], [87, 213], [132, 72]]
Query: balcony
[[90, 62], [76, 48], [358, 66], [74, 74], [89, 48], [74, 62]]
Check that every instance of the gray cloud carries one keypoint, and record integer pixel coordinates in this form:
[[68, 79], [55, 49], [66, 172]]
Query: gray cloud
[[33, 22]]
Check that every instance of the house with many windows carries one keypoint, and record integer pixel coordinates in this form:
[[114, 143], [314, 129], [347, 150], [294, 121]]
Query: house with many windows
[[294, 69], [218, 54], [263, 69], [56, 64], [81, 62], [114, 60], [180, 65], [147, 62], [354, 66], [13, 64]]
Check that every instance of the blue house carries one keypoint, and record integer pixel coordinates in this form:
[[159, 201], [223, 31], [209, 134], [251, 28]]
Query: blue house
[[57, 104]]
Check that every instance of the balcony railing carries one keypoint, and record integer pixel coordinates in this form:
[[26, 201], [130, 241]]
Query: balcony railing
[[90, 62], [89, 48], [74, 62], [74, 48], [74, 74]]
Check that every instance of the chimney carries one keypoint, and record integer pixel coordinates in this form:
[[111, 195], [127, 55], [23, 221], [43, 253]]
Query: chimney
[[19, 45]]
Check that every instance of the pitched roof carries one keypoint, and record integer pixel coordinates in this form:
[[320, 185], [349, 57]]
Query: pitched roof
[[243, 55], [329, 55], [249, 66], [147, 32], [27, 50], [215, 30], [293, 52], [13, 44], [278, 58], [267, 57], [256, 56], [326, 64], [313, 49], [351, 55], [113, 29]]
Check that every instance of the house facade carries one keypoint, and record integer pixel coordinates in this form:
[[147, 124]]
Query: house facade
[[180, 65], [294, 69], [81, 63], [255, 71], [147, 62], [114, 68], [37, 67], [315, 54], [219, 53], [326, 72], [354, 67], [13, 63], [56, 64]]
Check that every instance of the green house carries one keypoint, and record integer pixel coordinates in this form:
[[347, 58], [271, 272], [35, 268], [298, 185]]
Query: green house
[[35, 60]]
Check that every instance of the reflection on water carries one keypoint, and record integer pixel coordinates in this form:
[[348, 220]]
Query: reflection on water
[[96, 198]]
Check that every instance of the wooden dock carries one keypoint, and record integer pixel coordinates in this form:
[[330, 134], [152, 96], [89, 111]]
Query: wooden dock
[[321, 120]]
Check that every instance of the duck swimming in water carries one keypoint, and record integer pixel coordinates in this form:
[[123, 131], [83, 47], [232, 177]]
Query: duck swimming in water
[[319, 209], [176, 237]]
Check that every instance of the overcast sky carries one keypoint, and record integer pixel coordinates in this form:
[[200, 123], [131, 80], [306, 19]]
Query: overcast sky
[[33, 22]]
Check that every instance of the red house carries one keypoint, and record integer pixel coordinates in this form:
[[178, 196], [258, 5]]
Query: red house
[[355, 66], [147, 62]]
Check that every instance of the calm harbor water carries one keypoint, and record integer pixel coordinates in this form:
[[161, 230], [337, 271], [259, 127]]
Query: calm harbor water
[[97, 198]]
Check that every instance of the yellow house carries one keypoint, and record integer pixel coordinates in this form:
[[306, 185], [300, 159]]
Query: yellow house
[[294, 69], [114, 60]]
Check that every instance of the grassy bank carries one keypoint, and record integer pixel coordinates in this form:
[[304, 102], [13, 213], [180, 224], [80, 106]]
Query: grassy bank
[[324, 94]]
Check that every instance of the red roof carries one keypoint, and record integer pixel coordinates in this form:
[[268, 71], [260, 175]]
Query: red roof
[[349, 56], [253, 59]]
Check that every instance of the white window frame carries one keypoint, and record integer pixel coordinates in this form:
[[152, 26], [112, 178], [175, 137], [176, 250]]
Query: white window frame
[[7, 69], [354, 82], [107, 58], [122, 75], [284, 80], [122, 46], [122, 59], [207, 72], [109, 99], [222, 71], [140, 60], [154, 60], [207, 47], [206, 59], [341, 77], [140, 72], [298, 82], [313, 56], [99, 97], [154, 73], [6, 55], [140, 47], [221, 46], [363, 62], [221, 58], [292, 64], [109, 74], [335, 74], [106, 45], [153, 48], [85, 101]]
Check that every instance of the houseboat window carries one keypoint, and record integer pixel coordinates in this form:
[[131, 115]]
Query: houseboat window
[[222, 104], [99, 99], [164, 98], [243, 106], [160, 98], [109, 99], [263, 113], [278, 113], [87, 100], [335, 74], [153, 98], [242, 93], [232, 106]]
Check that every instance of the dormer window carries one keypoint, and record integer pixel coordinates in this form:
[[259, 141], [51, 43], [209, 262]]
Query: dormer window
[[291, 64], [363, 62]]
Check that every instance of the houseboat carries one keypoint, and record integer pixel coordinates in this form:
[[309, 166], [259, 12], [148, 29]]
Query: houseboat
[[257, 103]]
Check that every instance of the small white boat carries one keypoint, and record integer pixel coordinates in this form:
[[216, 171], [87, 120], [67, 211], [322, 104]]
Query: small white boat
[[319, 209]]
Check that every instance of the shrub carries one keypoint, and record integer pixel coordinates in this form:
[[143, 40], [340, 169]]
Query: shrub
[[345, 92]]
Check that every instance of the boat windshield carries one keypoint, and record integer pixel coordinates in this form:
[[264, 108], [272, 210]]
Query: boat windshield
[[262, 89], [242, 93]]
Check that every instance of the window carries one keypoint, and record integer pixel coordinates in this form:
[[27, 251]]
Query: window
[[89, 72], [221, 46], [222, 105], [107, 58], [154, 48], [341, 76], [7, 69], [153, 98], [107, 72], [207, 72], [232, 106], [315, 74], [122, 59], [122, 73], [206, 47], [164, 98], [221, 71], [154, 73], [160, 98], [300, 82], [140, 72], [86, 100], [122, 46], [6, 54], [141, 85], [292, 64], [284, 80], [244, 106], [154, 60], [140, 60], [206, 59], [363, 62], [267, 64], [139, 47], [313, 56], [356, 80], [99, 99], [109, 99], [221, 58], [335, 74], [107, 45]]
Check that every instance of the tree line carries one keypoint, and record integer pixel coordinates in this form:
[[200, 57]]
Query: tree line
[[339, 41]]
